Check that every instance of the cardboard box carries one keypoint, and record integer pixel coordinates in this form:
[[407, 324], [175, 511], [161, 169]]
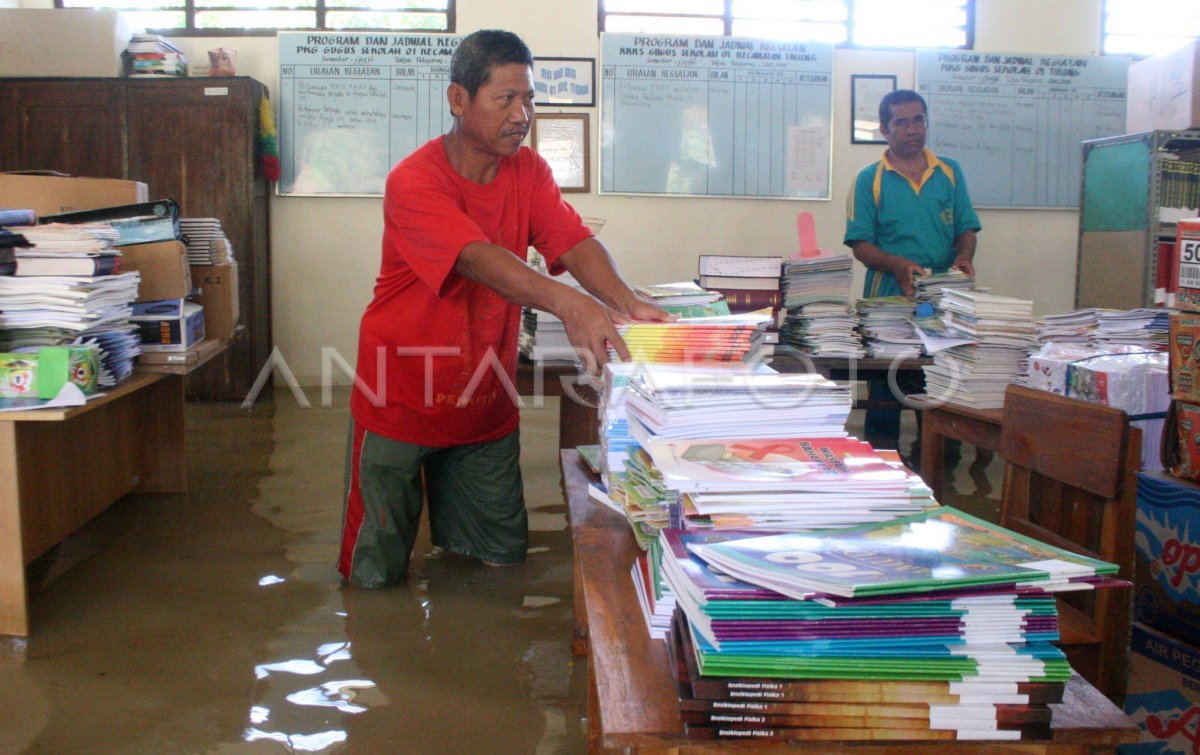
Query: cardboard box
[[1185, 357], [52, 194], [216, 289], [1164, 91], [172, 325], [1167, 561], [164, 266], [1163, 692], [1187, 264], [63, 41]]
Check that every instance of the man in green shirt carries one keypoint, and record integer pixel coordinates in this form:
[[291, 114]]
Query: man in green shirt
[[910, 211], [907, 214]]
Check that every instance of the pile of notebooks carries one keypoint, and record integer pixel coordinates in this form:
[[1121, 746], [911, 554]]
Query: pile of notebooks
[[205, 241], [933, 626], [818, 319], [151, 55], [63, 285]]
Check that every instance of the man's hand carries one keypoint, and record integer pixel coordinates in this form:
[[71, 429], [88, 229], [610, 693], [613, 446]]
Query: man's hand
[[638, 309], [590, 328], [965, 264], [904, 270]]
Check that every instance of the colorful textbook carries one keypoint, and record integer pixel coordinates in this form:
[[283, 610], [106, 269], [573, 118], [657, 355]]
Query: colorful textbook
[[934, 550]]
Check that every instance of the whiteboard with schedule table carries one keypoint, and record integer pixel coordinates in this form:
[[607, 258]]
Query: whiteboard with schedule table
[[353, 104], [1016, 122], [715, 116]]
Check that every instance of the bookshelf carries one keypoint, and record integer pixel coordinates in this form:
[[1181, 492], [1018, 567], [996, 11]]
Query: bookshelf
[[1133, 189], [191, 140]]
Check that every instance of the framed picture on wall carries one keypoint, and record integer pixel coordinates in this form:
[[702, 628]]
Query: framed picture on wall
[[564, 82], [562, 139], [866, 90]]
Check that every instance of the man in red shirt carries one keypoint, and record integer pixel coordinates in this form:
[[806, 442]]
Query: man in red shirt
[[433, 405]]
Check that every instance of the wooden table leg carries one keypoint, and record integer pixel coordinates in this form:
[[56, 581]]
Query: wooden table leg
[[162, 447], [933, 446], [14, 601]]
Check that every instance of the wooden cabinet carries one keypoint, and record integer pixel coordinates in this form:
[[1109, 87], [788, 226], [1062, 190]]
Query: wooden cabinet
[[191, 140]]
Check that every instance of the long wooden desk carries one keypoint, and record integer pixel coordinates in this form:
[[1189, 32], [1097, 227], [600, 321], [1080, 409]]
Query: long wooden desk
[[632, 702], [941, 420], [908, 370], [61, 467]]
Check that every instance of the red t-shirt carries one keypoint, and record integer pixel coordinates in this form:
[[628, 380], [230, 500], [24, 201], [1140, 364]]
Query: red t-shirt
[[455, 336]]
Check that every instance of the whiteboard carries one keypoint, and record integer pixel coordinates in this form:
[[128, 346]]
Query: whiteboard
[[715, 116], [353, 104], [1016, 121]]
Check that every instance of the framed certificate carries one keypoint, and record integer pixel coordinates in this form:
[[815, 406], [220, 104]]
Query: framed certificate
[[562, 139], [866, 90]]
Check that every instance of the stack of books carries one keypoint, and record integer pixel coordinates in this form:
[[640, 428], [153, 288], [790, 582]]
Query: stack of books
[[748, 283], [206, 241], [669, 401], [725, 338], [976, 374], [63, 249], [937, 625], [543, 337], [150, 55], [796, 484]]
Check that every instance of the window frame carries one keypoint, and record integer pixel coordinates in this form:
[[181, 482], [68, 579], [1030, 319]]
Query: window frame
[[320, 8], [728, 19], [1104, 33]]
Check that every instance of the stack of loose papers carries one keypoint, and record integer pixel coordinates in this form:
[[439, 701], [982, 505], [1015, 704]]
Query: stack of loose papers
[[887, 328], [1137, 327], [976, 374], [76, 303], [931, 287], [823, 329], [1076, 326], [206, 241], [823, 278]]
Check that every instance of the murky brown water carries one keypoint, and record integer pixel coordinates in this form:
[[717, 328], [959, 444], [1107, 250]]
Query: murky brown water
[[215, 622]]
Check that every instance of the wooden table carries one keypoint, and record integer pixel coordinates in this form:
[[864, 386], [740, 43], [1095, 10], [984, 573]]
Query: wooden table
[[632, 700], [61, 467], [845, 369], [578, 418], [941, 420]]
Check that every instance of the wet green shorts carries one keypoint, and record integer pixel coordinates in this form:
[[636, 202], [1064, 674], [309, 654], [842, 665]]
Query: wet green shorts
[[476, 503]]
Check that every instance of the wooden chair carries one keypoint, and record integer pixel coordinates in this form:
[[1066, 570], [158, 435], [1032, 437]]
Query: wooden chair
[[1070, 480]]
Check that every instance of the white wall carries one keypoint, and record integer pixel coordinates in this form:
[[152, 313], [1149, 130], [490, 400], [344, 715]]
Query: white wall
[[325, 251]]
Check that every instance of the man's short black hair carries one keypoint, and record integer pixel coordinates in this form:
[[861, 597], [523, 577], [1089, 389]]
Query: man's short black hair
[[471, 66], [898, 97]]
